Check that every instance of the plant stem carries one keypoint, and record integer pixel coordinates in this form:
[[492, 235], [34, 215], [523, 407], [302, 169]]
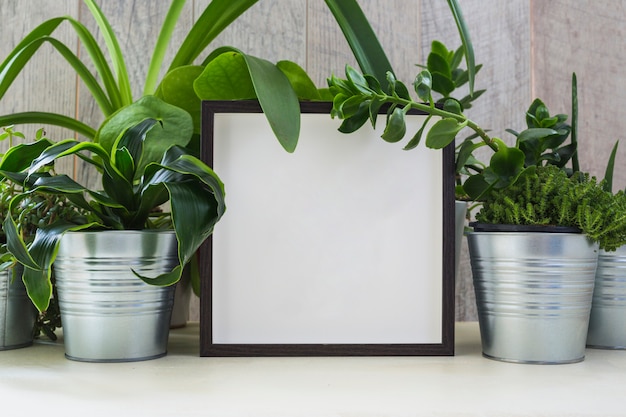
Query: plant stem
[[431, 109]]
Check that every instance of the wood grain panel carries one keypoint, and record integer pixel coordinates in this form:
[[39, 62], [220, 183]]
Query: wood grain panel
[[500, 33], [393, 21], [586, 37]]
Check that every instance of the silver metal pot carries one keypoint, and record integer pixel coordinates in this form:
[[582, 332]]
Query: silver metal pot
[[17, 312], [607, 324], [109, 314], [533, 294]]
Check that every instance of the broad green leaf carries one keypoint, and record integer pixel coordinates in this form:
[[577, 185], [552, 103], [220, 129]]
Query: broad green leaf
[[357, 120], [535, 133], [19, 157], [442, 84], [476, 186], [225, 77], [177, 128], [272, 88], [300, 81], [505, 166], [443, 132], [439, 64], [452, 106], [437, 47], [177, 89]]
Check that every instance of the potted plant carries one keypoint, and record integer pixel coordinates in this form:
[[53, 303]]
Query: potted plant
[[607, 329], [131, 251], [515, 175], [19, 321], [17, 315]]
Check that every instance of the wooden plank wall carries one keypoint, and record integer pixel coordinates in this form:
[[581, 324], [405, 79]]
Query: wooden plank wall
[[528, 47]]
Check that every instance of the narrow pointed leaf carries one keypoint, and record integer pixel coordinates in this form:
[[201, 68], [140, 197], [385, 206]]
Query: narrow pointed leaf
[[362, 40]]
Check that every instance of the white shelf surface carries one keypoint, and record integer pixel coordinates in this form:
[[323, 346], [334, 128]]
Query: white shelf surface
[[38, 380]]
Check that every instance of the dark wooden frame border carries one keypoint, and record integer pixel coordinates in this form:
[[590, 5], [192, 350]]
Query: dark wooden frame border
[[208, 348]]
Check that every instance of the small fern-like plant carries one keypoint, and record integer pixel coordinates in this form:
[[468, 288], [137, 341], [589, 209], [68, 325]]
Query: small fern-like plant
[[546, 196]]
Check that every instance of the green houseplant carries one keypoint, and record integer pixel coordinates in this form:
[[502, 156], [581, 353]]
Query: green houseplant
[[606, 324], [127, 206], [505, 185], [19, 321]]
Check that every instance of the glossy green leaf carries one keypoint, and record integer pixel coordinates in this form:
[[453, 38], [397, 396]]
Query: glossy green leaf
[[226, 77], [443, 132], [176, 88], [177, 128], [423, 85], [396, 126], [272, 88], [439, 64], [357, 120], [300, 81]]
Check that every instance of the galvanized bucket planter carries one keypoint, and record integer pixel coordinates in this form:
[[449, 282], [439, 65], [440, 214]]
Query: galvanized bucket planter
[[533, 294], [17, 313], [607, 324], [109, 314]]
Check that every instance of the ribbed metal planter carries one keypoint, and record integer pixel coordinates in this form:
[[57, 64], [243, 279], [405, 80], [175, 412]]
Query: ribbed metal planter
[[17, 313], [109, 314], [533, 294], [607, 324]]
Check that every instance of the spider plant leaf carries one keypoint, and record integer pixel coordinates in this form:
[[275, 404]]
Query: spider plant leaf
[[48, 118], [115, 52], [362, 40], [218, 15], [163, 40], [466, 42]]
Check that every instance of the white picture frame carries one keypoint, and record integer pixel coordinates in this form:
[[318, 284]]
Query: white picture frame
[[344, 247]]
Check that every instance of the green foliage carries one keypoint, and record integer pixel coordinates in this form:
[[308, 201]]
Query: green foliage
[[124, 200], [447, 75], [547, 196], [542, 143], [109, 82]]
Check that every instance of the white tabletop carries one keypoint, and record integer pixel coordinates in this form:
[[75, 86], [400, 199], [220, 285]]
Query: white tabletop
[[38, 380]]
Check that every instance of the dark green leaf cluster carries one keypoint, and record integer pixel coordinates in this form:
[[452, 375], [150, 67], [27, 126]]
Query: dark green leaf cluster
[[447, 74], [545, 195], [133, 184], [542, 141], [359, 98]]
